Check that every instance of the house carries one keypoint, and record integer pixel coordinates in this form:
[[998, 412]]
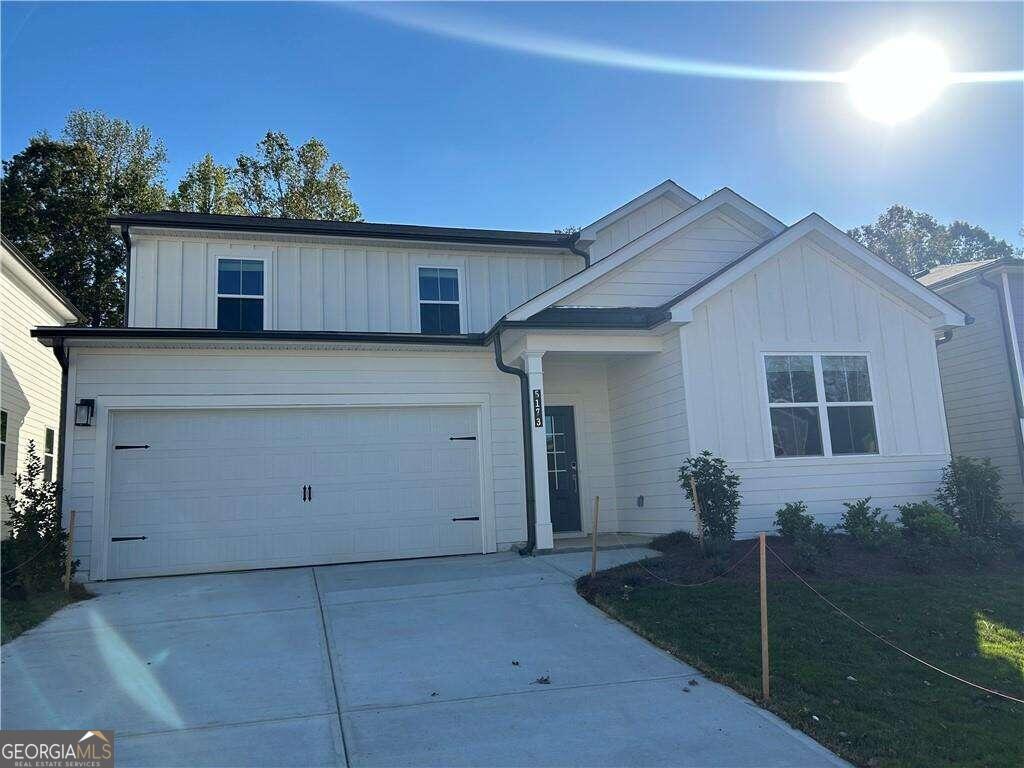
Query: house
[[980, 366], [30, 378], [294, 392]]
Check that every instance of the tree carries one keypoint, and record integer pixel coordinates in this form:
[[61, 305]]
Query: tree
[[54, 209], [206, 188], [283, 181], [914, 242]]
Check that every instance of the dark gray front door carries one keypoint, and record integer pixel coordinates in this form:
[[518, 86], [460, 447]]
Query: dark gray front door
[[563, 478]]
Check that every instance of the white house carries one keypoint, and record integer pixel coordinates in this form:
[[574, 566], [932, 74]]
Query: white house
[[295, 392], [980, 366], [30, 378]]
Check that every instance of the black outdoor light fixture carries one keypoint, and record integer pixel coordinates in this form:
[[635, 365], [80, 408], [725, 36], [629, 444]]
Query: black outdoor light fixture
[[84, 409]]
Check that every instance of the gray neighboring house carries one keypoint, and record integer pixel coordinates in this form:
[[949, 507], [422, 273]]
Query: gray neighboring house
[[980, 367]]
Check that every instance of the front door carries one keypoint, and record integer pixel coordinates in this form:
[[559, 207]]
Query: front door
[[563, 476]]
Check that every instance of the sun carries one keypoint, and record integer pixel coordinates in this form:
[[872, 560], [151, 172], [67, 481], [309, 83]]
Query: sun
[[898, 79]]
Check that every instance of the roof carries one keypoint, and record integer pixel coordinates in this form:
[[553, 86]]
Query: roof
[[50, 289], [936, 277], [667, 188], [222, 222]]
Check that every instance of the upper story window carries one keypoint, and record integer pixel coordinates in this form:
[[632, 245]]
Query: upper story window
[[48, 455], [820, 405], [240, 294], [439, 300], [3, 442]]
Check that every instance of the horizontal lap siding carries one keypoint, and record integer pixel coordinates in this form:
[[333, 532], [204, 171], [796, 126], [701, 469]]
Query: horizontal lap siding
[[978, 390], [30, 378], [583, 384], [649, 438], [670, 267], [805, 300], [177, 373], [331, 288]]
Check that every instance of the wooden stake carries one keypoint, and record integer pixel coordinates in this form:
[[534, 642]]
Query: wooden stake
[[68, 553], [764, 619], [696, 511], [593, 549]]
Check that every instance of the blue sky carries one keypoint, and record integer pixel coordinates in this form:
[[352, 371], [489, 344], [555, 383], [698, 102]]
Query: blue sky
[[436, 130]]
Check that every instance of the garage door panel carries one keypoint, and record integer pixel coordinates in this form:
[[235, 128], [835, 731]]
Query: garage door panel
[[222, 490]]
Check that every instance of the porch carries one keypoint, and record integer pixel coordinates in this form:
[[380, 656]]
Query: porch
[[608, 421]]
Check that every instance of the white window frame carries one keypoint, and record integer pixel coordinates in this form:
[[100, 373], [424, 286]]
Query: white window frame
[[421, 301], [218, 295], [822, 405], [51, 454]]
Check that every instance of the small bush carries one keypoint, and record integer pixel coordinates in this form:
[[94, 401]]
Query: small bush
[[811, 539], [923, 520], [867, 525], [793, 520], [33, 557], [971, 494], [717, 491]]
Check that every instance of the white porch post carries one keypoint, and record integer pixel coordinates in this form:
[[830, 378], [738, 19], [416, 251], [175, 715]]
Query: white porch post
[[542, 502]]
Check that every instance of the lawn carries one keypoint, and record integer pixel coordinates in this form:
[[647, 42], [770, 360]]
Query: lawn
[[17, 616], [865, 701]]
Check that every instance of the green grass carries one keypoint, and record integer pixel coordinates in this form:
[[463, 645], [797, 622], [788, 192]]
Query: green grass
[[894, 712], [17, 616]]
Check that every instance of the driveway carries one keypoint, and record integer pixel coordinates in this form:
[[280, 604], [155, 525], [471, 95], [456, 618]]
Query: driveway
[[429, 663]]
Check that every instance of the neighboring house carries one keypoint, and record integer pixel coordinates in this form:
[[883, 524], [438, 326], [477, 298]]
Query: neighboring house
[[294, 392], [980, 366], [31, 376]]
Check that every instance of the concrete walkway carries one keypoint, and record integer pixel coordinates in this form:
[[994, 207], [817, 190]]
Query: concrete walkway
[[429, 663]]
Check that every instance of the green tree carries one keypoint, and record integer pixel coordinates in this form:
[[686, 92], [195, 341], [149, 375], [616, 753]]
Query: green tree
[[54, 210], [914, 242], [206, 188], [294, 183]]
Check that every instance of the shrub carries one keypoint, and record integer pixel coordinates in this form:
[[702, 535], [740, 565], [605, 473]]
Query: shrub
[[673, 540], [970, 493], [717, 491], [793, 520], [923, 520], [867, 525], [811, 540], [33, 558]]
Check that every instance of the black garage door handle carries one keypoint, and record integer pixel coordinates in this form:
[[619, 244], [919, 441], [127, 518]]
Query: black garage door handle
[[128, 538], [128, 447], [459, 519]]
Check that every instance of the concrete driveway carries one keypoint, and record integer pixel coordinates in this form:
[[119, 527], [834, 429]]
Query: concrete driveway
[[429, 663]]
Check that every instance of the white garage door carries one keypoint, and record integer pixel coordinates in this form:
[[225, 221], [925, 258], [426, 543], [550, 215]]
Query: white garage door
[[215, 490]]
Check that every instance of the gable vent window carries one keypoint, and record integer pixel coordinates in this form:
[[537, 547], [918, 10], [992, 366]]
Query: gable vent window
[[820, 405], [439, 301], [239, 295], [48, 456]]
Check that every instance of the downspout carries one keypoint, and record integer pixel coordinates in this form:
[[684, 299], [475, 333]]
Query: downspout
[[946, 336], [527, 419], [62, 357], [127, 237], [585, 255]]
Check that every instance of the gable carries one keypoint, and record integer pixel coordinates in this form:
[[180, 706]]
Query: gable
[[633, 225], [669, 267]]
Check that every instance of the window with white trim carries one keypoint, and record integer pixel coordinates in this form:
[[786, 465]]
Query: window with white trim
[[240, 294], [439, 301], [3, 442], [48, 455], [820, 405]]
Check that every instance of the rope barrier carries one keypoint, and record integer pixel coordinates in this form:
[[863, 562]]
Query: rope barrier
[[888, 642], [26, 562]]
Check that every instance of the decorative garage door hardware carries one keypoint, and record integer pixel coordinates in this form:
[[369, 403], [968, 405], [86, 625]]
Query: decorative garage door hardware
[[470, 437], [460, 519], [127, 538], [129, 447]]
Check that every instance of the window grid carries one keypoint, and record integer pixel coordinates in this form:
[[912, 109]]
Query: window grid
[[552, 441], [436, 273], [48, 455], [242, 295], [822, 405]]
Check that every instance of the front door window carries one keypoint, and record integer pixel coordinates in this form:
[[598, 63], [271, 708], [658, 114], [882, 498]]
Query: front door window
[[563, 474]]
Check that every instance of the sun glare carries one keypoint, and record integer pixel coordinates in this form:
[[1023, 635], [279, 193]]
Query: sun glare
[[899, 79]]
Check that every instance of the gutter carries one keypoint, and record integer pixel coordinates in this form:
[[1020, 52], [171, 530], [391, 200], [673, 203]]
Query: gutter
[[524, 397], [585, 255], [62, 357]]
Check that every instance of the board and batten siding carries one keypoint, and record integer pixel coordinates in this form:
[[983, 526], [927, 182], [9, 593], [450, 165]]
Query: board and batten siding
[[670, 267], [978, 390], [30, 377], [298, 377], [639, 222], [649, 439], [805, 300], [331, 287]]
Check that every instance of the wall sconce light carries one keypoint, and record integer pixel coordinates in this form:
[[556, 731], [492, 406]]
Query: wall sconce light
[[84, 410]]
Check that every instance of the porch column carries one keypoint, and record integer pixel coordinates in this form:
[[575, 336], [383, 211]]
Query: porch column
[[542, 502]]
